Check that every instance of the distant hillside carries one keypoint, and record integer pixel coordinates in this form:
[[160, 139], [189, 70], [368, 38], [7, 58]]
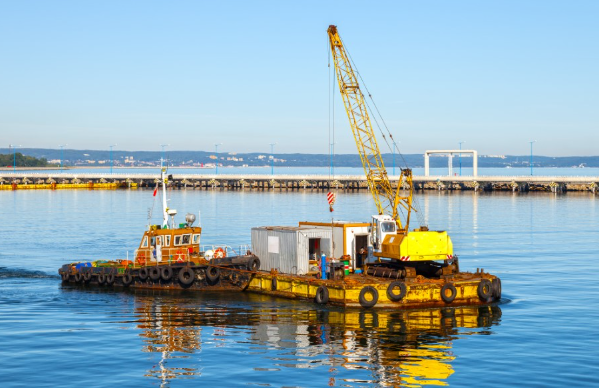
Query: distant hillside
[[22, 161], [198, 158]]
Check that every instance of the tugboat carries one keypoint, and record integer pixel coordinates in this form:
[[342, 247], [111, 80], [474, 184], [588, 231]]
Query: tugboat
[[169, 257]]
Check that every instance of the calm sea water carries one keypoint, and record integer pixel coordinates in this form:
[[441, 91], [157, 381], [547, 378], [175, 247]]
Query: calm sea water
[[545, 332]]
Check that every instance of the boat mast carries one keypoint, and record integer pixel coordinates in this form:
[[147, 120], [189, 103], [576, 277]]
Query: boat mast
[[163, 179]]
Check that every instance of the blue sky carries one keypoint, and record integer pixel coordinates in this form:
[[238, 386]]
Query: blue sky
[[495, 74]]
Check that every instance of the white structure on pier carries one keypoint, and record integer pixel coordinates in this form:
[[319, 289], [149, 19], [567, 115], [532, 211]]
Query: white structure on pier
[[450, 154]]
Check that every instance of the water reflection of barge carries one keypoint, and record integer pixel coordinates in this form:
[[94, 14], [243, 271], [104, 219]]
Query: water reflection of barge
[[395, 348]]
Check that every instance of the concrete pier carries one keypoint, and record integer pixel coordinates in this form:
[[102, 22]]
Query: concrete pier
[[553, 184]]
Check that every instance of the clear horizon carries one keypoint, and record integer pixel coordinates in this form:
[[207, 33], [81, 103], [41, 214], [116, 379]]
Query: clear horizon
[[494, 76]]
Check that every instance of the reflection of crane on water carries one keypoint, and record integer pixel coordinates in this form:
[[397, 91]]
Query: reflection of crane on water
[[396, 347]]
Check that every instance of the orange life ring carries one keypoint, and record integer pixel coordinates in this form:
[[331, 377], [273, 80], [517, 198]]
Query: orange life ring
[[180, 256], [141, 258], [219, 253]]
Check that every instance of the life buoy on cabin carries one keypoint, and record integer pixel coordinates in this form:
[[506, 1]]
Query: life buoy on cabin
[[141, 258], [219, 253]]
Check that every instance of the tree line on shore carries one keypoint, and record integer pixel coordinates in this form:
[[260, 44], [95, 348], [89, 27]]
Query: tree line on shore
[[20, 160]]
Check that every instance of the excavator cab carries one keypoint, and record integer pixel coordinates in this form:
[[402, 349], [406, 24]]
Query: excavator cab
[[383, 225]]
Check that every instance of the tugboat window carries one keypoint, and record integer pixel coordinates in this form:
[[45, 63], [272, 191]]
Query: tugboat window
[[196, 238], [144, 244], [168, 241], [177, 240], [186, 239]]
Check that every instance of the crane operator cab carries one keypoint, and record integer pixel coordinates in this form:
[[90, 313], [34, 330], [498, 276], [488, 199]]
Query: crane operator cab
[[383, 225]]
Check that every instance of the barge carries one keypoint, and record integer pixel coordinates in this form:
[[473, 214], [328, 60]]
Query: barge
[[286, 262]]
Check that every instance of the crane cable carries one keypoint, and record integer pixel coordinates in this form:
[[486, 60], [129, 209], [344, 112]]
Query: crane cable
[[415, 202]]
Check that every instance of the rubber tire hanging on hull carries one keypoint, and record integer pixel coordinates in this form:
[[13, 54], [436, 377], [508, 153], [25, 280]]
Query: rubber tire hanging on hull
[[87, 276], [444, 296], [485, 290], [212, 274], [101, 279], [402, 291], [154, 273], [110, 279], [273, 284], [496, 288], [143, 274], [65, 276], [365, 302], [186, 276], [254, 264], [127, 279], [322, 295], [78, 277], [166, 273]]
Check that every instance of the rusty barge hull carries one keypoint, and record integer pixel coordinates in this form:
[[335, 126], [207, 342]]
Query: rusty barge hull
[[356, 290]]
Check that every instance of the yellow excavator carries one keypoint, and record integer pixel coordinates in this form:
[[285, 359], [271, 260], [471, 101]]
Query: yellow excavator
[[390, 236]]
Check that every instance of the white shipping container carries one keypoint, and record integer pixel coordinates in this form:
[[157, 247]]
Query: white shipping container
[[287, 248]]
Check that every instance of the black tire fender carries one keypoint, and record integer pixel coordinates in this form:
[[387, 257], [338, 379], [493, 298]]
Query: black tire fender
[[273, 284], [186, 276], [253, 264], [235, 278], [496, 288], [101, 279], [212, 274], [402, 291], [154, 273], [87, 276], [448, 298], [322, 295], [110, 278], [365, 302], [78, 277], [485, 290], [127, 279], [166, 273], [143, 273], [65, 276]]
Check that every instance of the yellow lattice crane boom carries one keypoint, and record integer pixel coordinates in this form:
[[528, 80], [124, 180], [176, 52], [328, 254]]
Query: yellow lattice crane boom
[[386, 198], [390, 234]]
